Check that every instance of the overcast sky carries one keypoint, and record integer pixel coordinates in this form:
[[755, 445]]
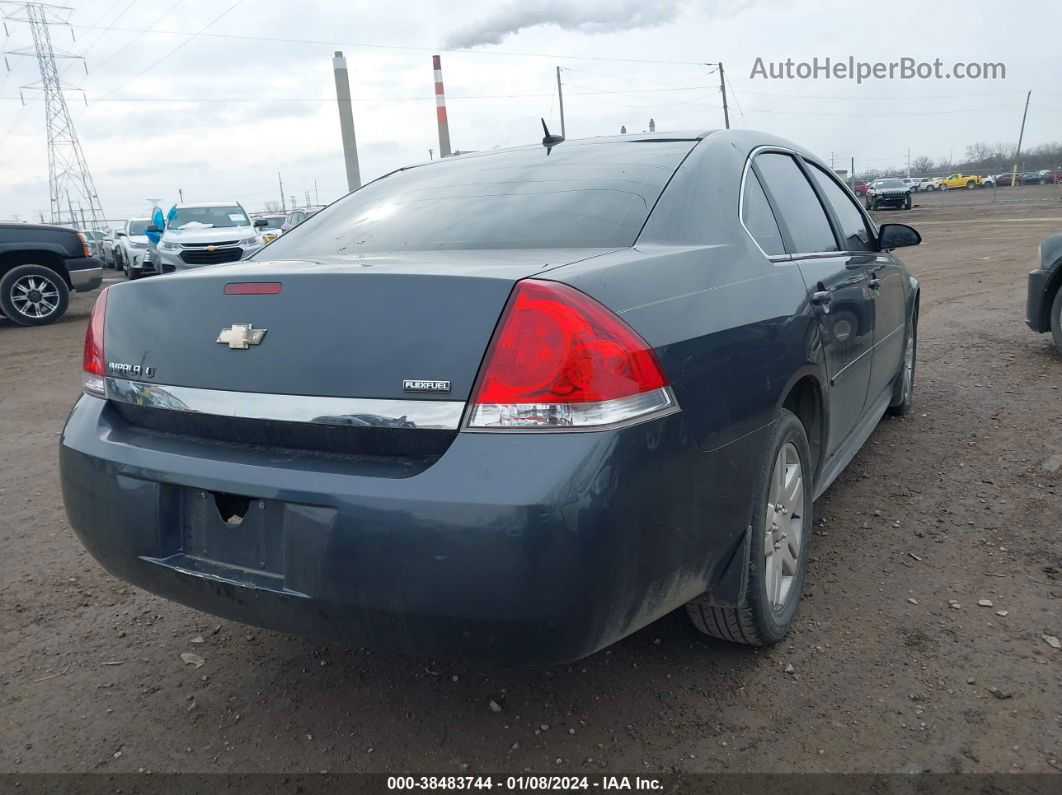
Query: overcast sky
[[253, 94]]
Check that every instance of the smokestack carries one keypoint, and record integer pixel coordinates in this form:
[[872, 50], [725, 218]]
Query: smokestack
[[346, 122], [440, 109]]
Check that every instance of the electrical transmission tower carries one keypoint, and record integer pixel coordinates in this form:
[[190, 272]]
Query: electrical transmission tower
[[70, 184]]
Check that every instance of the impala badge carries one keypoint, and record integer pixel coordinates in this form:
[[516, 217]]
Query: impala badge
[[241, 335], [418, 385]]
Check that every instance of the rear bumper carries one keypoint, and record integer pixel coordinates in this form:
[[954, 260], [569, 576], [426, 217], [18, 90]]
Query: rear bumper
[[510, 547], [1035, 312], [86, 273]]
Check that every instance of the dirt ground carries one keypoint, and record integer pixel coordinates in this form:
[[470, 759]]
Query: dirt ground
[[962, 502]]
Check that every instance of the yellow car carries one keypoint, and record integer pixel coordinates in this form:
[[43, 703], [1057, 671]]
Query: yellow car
[[959, 181]]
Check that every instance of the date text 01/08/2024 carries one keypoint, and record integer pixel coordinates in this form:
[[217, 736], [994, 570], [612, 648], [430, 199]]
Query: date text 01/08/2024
[[519, 783]]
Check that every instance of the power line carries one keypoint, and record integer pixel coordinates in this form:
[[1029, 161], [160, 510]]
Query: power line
[[332, 43], [893, 113], [12, 127], [733, 94], [184, 43], [877, 98], [133, 41], [253, 100], [631, 78], [105, 29]]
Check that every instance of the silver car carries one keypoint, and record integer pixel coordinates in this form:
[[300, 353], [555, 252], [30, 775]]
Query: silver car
[[197, 235]]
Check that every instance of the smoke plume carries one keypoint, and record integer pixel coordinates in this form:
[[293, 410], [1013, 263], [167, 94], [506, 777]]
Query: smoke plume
[[585, 16]]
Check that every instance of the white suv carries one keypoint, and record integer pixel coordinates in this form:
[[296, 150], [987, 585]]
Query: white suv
[[207, 234], [131, 251]]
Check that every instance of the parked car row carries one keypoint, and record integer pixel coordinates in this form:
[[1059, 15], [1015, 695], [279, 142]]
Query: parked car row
[[185, 242], [970, 181], [279, 223]]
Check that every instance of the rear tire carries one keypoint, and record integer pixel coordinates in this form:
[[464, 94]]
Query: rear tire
[[1056, 319], [903, 391], [782, 509], [971, 185], [33, 295]]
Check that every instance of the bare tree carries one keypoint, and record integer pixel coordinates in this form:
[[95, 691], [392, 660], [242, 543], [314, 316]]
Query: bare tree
[[921, 165], [272, 207]]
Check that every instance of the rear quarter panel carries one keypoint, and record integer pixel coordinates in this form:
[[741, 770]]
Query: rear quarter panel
[[732, 329]]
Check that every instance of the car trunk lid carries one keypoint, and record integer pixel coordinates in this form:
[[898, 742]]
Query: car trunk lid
[[356, 327]]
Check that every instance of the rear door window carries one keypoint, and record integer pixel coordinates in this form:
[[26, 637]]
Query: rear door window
[[758, 218], [797, 203]]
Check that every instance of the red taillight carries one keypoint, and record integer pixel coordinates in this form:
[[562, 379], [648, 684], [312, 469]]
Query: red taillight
[[561, 359], [253, 288], [93, 363]]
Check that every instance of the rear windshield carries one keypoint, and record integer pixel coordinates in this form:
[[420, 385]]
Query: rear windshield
[[593, 195]]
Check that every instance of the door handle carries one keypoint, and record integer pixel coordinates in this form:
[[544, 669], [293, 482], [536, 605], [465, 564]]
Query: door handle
[[821, 297], [874, 283]]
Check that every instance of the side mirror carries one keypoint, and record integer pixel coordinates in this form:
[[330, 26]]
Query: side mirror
[[154, 230], [119, 234], [260, 223], [892, 236]]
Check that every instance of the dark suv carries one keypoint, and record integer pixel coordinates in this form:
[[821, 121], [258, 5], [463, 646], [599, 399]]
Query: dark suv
[[1043, 309], [889, 192], [39, 266]]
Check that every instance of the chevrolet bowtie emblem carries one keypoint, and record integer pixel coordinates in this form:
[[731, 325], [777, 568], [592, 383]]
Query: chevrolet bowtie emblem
[[211, 248], [241, 335]]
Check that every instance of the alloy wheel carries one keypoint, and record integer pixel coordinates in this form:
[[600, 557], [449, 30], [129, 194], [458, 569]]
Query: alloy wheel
[[784, 526], [35, 296]]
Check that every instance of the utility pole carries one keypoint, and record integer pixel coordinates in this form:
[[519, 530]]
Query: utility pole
[[431, 152], [283, 206], [180, 193], [316, 193], [851, 173], [908, 162], [67, 169], [1021, 135], [307, 199], [831, 162], [722, 90], [293, 201], [346, 121], [560, 101]]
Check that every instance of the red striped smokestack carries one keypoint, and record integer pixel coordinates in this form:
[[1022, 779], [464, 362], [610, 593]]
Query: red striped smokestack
[[440, 109]]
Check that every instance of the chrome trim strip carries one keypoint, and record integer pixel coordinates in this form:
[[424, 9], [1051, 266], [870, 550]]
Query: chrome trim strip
[[356, 412], [669, 406]]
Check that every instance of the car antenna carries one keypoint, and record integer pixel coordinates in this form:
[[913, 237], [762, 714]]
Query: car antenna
[[550, 141]]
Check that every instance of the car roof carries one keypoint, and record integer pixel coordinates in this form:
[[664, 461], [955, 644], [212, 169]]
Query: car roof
[[197, 205]]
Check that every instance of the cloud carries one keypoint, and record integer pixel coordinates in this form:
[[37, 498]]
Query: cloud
[[590, 16]]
